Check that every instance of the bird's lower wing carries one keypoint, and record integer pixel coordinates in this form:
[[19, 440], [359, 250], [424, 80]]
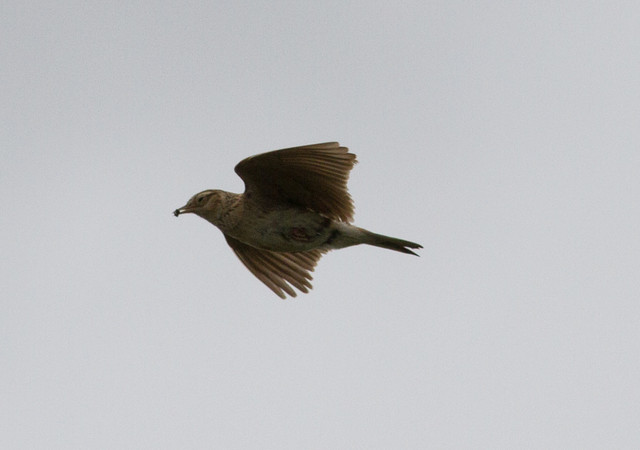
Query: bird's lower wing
[[280, 271]]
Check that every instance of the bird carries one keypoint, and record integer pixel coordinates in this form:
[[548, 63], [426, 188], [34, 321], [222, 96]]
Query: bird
[[294, 209]]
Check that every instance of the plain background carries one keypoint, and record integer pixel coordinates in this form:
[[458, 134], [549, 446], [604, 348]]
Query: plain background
[[502, 136]]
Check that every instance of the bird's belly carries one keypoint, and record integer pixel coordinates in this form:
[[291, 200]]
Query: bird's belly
[[287, 230]]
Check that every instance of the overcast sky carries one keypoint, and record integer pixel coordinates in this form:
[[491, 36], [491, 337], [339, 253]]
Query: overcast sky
[[505, 138]]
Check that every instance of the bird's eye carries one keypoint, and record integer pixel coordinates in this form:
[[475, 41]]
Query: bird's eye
[[201, 199]]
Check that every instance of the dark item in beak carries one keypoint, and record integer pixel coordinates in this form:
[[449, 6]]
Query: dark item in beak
[[176, 212]]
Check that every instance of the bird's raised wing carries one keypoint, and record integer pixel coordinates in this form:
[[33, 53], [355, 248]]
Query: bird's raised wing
[[279, 271], [311, 176]]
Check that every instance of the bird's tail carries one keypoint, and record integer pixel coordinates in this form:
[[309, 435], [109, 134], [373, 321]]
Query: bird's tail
[[379, 240]]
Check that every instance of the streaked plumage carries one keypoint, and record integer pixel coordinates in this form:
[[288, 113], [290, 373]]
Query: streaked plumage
[[295, 208]]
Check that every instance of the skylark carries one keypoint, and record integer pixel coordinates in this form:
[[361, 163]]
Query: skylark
[[295, 208]]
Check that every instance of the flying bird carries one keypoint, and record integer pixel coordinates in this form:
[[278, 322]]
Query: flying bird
[[295, 208]]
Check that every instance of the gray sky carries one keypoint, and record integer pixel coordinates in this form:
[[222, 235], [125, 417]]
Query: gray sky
[[503, 138]]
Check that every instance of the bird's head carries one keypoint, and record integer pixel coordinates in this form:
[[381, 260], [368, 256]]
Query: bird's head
[[203, 204]]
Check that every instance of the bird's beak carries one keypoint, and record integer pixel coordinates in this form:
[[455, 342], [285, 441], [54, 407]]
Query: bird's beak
[[182, 210]]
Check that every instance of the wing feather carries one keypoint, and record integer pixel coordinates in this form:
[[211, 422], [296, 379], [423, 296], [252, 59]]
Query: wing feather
[[278, 271], [311, 176]]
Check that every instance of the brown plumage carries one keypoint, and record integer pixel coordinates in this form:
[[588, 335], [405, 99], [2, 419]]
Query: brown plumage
[[295, 208]]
